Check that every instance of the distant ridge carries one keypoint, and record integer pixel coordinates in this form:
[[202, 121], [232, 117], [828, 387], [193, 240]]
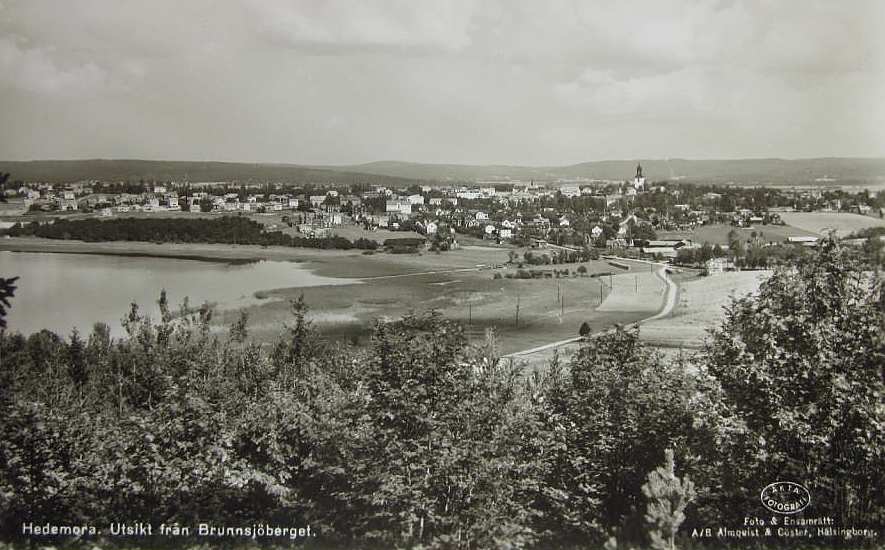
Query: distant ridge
[[192, 171], [817, 171], [771, 170]]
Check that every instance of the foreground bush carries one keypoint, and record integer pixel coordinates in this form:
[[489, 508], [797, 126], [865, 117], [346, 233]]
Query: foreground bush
[[423, 441]]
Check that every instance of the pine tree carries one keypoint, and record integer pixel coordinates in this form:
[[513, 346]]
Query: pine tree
[[668, 496]]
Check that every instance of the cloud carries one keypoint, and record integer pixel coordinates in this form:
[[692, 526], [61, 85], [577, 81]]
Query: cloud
[[36, 70], [463, 80], [343, 25]]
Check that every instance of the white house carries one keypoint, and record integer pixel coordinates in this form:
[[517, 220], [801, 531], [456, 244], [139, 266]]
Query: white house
[[399, 206]]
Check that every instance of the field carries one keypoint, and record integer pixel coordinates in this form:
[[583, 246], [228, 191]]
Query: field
[[460, 284], [700, 305], [718, 234], [640, 292], [820, 223], [524, 313]]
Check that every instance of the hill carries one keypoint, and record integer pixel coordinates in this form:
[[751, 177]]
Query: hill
[[820, 171], [802, 172], [192, 171]]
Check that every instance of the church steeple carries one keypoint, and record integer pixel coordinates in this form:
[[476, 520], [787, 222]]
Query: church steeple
[[639, 181]]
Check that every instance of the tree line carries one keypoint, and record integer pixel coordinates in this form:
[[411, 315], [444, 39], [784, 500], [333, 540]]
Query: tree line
[[223, 229], [423, 440]]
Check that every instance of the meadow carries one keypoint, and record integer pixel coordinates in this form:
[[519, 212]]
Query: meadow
[[718, 233], [820, 223], [700, 305], [523, 312]]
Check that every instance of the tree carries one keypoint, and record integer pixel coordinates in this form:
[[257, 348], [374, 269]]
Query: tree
[[7, 285], [800, 367], [585, 329], [667, 498], [7, 291], [622, 403]]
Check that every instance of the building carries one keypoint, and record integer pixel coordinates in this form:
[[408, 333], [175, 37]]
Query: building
[[638, 180], [399, 206]]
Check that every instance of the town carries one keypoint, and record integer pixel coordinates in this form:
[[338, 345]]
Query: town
[[638, 217]]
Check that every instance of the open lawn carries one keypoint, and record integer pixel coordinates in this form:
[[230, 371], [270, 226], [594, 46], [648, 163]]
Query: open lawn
[[700, 306], [718, 234], [820, 223], [354, 232]]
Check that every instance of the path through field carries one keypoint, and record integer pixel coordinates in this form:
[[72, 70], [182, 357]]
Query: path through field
[[629, 294], [700, 305]]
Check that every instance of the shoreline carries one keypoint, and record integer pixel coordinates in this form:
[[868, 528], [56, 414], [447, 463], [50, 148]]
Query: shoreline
[[188, 251]]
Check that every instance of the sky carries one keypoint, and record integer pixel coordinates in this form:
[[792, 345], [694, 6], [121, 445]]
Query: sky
[[523, 82]]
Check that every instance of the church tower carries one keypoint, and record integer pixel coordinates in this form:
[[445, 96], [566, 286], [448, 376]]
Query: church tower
[[638, 181]]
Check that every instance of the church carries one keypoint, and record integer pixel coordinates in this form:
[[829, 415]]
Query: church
[[638, 180]]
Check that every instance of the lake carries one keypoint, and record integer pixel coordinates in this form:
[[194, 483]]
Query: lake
[[63, 291]]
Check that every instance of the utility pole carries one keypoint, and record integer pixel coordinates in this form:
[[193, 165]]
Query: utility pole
[[469, 313], [636, 280], [517, 309]]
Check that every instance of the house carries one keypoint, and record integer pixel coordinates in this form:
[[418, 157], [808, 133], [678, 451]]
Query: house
[[804, 241], [505, 233], [717, 266], [596, 232], [317, 200], [481, 216], [399, 206], [415, 200], [662, 251]]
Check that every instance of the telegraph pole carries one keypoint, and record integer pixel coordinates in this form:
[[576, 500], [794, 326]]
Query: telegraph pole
[[517, 309]]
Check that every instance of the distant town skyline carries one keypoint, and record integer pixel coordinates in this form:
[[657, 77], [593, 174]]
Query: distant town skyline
[[514, 82]]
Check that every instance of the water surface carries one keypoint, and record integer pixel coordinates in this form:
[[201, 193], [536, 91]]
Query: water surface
[[63, 291]]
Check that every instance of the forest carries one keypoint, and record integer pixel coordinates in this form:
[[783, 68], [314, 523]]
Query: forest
[[422, 440], [224, 230]]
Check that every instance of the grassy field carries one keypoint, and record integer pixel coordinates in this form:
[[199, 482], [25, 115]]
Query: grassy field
[[701, 303], [718, 234], [548, 309], [641, 291], [820, 223]]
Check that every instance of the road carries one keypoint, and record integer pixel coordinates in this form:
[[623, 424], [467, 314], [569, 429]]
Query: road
[[670, 298]]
